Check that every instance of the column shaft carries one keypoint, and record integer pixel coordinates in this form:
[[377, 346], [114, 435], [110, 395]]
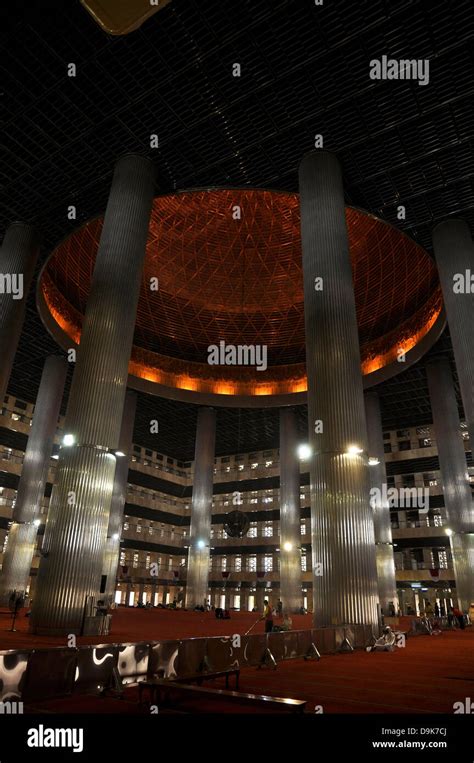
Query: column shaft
[[383, 530], [18, 257], [22, 537], [119, 497], [454, 252], [290, 523], [76, 529], [344, 568], [456, 487], [201, 510]]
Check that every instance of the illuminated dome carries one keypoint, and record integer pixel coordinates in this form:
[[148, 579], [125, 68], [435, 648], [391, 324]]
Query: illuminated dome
[[229, 270]]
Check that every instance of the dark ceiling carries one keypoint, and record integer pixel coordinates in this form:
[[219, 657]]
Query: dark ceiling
[[304, 71]]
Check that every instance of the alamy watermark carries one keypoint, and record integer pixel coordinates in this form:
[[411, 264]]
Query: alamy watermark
[[238, 355], [391, 68], [401, 498], [12, 283]]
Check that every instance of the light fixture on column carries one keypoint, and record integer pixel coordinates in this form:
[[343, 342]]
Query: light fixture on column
[[449, 532], [68, 440], [288, 546], [373, 461], [354, 450], [304, 452]]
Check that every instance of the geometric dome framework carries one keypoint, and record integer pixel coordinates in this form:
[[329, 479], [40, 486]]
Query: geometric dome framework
[[229, 270]]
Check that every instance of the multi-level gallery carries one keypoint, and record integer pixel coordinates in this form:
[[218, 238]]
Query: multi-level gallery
[[236, 367]]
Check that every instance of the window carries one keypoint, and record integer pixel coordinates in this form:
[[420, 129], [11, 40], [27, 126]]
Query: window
[[303, 528], [425, 431], [425, 442], [147, 561], [268, 530], [404, 445], [238, 564], [135, 559], [139, 528], [224, 563], [403, 433], [126, 526], [251, 563], [387, 448], [169, 461], [254, 465], [439, 559], [303, 562], [386, 435], [225, 460], [148, 453], [268, 463], [268, 563], [122, 558], [252, 533]]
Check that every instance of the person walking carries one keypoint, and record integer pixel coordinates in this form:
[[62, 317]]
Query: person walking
[[267, 616]]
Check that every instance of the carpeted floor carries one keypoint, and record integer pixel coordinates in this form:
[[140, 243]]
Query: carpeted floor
[[130, 624], [427, 676]]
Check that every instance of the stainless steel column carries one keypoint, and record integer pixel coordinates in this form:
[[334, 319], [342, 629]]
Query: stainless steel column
[[453, 466], [290, 523], [454, 251], [201, 509], [78, 516], [386, 579], [119, 497], [22, 536], [342, 526], [18, 257]]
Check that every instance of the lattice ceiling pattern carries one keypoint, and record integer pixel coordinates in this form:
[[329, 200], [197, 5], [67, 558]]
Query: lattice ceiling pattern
[[239, 279], [304, 71]]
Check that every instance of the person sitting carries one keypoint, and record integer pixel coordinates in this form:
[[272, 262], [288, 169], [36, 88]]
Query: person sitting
[[286, 625], [386, 642]]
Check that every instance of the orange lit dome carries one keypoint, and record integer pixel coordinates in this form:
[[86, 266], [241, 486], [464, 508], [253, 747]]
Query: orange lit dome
[[229, 270]]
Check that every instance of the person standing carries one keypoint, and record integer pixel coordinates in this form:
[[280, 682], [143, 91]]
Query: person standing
[[460, 617], [267, 616]]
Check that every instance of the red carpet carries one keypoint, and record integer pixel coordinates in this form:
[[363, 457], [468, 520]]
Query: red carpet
[[427, 676], [130, 624]]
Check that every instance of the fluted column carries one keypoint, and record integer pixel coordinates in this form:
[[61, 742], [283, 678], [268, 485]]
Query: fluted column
[[201, 509], [22, 536], [18, 256], [454, 252], [456, 486], [290, 523], [119, 497], [342, 526], [78, 516], [386, 579]]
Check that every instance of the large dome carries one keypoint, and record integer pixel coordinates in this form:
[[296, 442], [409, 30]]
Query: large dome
[[229, 270]]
